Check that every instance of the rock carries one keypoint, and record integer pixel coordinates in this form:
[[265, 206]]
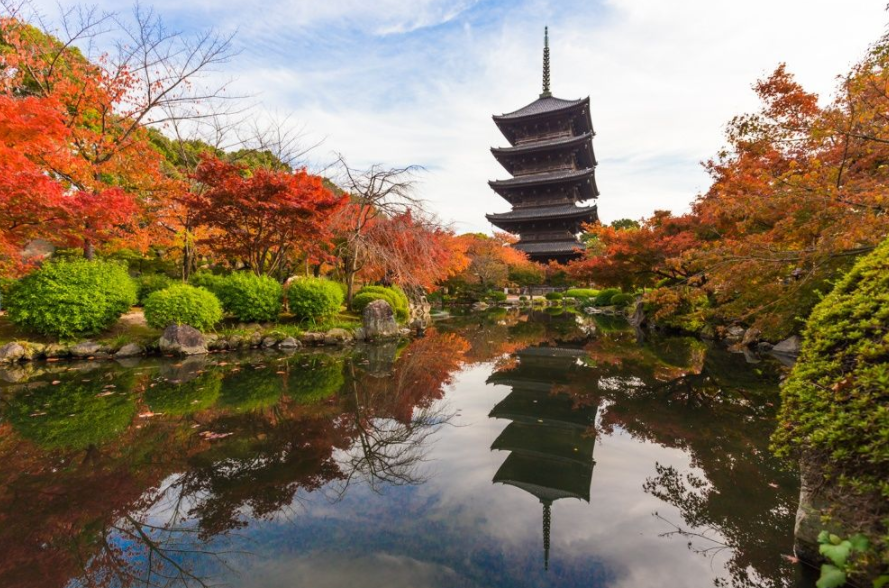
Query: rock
[[751, 336], [312, 338], [269, 342], [130, 350], [378, 321], [360, 334], [182, 340], [55, 350], [638, 318], [763, 347], [337, 337], [420, 313], [789, 346], [479, 306], [86, 349], [404, 331], [12, 352], [288, 343], [734, 334]]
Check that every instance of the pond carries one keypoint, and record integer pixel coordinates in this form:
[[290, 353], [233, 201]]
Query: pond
[[500, 449]]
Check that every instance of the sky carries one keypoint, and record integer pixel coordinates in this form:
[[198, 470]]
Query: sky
[[415, 82]]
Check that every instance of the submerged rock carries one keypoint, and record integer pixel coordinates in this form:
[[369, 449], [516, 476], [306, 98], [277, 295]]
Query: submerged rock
[[378, 320], [182, 340], [789, 346]]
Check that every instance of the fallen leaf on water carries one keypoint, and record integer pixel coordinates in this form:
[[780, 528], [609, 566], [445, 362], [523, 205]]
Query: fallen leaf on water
[[38, 414], [790, 558], [146, 415], [101, 394], [773, 485], [280, 372], [210, 435], [56, 382]]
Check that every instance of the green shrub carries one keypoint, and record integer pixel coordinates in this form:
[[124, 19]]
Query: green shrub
[[314, 298], [581, 293], [250, 297], [523, 298], [394, 295], [182, 304], [497, 296], [69, 298], [207, 280], [553, 296], [622, 299], [185, 398], [150, 283], [604, 297], [6, 285]]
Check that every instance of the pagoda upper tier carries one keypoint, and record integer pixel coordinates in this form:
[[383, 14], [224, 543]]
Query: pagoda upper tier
[[551, 160]]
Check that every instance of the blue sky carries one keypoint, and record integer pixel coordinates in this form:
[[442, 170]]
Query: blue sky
[[416, 82]]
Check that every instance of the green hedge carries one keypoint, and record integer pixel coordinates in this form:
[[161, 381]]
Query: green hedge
[[622, 299], [208, 281], [148, 284], [553, 295], [604, 297], [497, 295], [394, 295], [581, 293], [249, 297], [835, 403], [314, 298], [71, 298], [182, 304]]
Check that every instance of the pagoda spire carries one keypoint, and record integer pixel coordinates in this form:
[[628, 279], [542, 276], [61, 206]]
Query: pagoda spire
[[547, 526], [546, 93]]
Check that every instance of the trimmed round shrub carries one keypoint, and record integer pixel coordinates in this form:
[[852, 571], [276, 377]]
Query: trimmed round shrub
[[149, 284], [497, 295], [394, 295], [581, 293], [553, 295], [314, 298], [604, 297], [250, 297], [622, 299], [207, 280], [182, 304], [70, 298]]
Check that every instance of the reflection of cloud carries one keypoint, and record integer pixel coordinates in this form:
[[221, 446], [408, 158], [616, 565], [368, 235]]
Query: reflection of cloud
[[375, 570]]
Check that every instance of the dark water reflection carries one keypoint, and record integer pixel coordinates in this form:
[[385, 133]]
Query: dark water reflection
[[499, 450]]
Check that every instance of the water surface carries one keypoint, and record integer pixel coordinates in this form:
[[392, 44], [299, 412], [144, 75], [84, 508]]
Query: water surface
[[501, 449]]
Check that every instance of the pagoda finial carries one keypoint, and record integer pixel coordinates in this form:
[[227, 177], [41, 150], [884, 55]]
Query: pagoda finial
[[546, 93]]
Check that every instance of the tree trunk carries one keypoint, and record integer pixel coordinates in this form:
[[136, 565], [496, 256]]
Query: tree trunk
[[89, 250]]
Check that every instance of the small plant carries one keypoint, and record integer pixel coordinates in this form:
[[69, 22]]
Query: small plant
[[553, 296], [842, 554], [497, 296], [71, 298], [150, 283], [523, 298], [314, 298], [182, 304], [250, 297]]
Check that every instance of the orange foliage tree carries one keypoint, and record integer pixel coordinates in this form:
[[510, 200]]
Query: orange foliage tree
[[261, 217]]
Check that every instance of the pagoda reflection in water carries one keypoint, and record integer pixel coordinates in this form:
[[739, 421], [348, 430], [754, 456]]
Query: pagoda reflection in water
[[549, 440]]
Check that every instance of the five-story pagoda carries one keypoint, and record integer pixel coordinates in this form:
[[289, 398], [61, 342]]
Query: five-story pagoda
[[553, 166]]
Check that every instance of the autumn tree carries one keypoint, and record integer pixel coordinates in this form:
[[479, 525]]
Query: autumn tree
[[263, 216]]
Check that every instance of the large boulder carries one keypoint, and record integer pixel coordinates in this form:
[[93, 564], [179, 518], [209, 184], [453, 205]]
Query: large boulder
[[182, 340], [378, 321]]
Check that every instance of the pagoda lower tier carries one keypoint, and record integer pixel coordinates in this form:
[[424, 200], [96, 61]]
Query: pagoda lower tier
[[546, 232]]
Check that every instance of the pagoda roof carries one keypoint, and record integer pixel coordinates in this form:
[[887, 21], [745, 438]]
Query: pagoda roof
[[558, 211], [542, 106], [545, 145], [562, 176], [549, 247], [545, 479], [553, 443]]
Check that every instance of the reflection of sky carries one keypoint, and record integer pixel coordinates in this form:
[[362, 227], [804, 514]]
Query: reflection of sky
[[459, 529]]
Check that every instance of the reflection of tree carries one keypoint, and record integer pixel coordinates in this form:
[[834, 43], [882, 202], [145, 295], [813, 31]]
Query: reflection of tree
[[392, 417]]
